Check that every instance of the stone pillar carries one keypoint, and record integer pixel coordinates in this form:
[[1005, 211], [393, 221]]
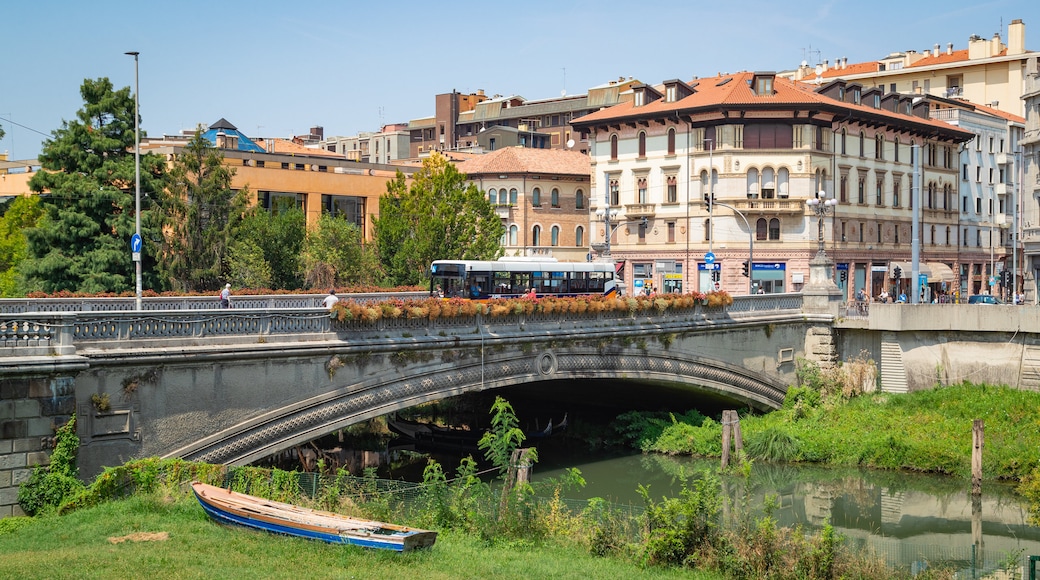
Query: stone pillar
[[822, 296]]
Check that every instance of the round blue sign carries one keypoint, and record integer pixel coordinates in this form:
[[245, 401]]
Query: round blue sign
[[709, 258], [135, 243]]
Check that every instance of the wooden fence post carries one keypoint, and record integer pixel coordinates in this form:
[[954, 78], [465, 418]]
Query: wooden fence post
[[726, 426], [977, 438]]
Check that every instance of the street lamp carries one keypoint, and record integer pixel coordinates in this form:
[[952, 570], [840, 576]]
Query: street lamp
[[821, 206], [608, 215], [137, 178]]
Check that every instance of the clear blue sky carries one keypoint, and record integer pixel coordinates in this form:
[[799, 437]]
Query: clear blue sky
[[275, 69]]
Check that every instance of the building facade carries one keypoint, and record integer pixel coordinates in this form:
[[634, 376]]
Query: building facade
[[766, 149], [988, 71], [542, 196], [1028, 177]]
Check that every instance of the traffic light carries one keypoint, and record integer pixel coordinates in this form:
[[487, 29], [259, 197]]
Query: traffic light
[[644, 222], [897, 273], [845, 275], [747, 265], [716, 276]]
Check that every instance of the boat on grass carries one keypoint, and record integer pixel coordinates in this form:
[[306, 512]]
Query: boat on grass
[[230, 507]]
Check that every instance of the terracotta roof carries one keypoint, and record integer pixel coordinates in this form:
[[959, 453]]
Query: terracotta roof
[[999, 113], [287, 147], [943, 58], [527, 160], [850, 69], [734, 91]]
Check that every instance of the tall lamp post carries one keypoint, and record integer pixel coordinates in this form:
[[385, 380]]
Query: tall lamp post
[[137, 180], [821, 205], [608, 216]]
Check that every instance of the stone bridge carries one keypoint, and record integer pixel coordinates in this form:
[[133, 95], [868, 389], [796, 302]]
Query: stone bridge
[[234, 386]]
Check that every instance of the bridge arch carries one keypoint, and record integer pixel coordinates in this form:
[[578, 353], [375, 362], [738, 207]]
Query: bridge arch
[[478, 369]]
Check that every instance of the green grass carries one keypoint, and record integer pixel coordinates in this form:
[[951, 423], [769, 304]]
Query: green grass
[[77, 546], [928, 431]]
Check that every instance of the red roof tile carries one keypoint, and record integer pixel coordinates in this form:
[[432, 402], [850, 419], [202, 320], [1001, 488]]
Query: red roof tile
[[527, 160]]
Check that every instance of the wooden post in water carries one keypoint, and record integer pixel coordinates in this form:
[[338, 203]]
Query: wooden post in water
[[977, 436], [725, 438], [738, 438]]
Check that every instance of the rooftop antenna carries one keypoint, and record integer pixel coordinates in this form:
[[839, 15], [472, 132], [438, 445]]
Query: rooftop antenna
[[807, 55], [563, 92]]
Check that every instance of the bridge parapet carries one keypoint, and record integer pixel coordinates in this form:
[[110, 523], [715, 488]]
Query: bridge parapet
[[165, 303]]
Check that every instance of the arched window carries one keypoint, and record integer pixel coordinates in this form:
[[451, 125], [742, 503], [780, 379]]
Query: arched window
[[707, 230], [554, 236], [579, 199], [862, 144], [614, 192], [536, 197], [513, 231], [641, 189], [879, 147], [752, 183], [704, 184], [844, 134], [761, 229], [642, 144], [493, 196], [673, 188], [783, 177], [671, 141], [512, 196], [579, 236], [554, 197], [536, 235], [768, 183], [613, 147], [774, 229]]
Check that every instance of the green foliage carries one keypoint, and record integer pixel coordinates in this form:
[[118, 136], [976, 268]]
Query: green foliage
[[49, 487], [12, 524], [198, 215], [677, 529], [642, 429], [457, 504], [247, 266], [334, 254], [279, 233], [505, 435], [81, 242], [772, 445], [438, 217], [22, 213]]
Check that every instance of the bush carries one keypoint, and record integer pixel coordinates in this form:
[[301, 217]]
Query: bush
[[46, 490]]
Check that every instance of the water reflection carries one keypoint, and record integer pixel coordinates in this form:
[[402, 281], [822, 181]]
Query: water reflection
[[907, 519]]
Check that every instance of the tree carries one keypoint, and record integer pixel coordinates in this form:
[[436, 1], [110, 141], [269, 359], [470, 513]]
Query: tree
[[334, 254], [82, 243], [439, 217], [198, 214], [23, 213], [279, 234]]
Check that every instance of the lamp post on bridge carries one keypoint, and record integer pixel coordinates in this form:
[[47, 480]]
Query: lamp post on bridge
[[135, 244], [821, 205]]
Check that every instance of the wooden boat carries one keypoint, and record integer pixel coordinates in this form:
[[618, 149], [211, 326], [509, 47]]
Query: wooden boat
[[231, 507]]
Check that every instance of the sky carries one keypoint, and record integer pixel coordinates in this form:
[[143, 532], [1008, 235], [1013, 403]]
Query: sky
[[276, 69]]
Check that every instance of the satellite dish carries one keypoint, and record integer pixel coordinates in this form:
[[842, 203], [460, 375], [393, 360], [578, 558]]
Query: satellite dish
[[570, 143], [563, 92], [805, 63], [819, 70]]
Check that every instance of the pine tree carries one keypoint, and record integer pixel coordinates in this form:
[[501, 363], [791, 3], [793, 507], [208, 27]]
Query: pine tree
[[82, 243]]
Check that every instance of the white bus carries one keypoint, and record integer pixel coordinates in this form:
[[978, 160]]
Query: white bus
[[480, 280]]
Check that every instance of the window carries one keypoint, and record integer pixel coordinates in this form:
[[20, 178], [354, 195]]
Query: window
[[641, 190], [491, 144], [614, 193], [642, 232], [707, 230], [512, 196], [536, 235], [642, 144], [761, 229], [670, 93], [774, 229], [613, 148], [671, 232], [768, 136], [579, 199], [879, 195], [964, 172], [671, 141], [843, 188], [554, 197], [579, 236], [978, 174], [554, 236], [862, 144], [493, 196], [879, 147], [513, 234], [672, 188], [844, 134], [536, 197], [895, 193], [861, 194], [895, 149]]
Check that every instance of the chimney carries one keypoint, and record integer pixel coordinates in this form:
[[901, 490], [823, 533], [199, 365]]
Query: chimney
[[826, 65], [935, 50], [844, 62], [1016, 37], [949, 48]]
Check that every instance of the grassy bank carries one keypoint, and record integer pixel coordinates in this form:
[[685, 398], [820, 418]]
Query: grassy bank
[[84, 544]]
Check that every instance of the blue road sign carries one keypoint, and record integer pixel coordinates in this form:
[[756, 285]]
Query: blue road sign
[[135, 243], [709, 258]]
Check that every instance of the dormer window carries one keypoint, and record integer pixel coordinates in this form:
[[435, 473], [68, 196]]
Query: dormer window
[[841, 94], [640, 98], [670, 93], [855, 96], [762, 84], [877, 101]]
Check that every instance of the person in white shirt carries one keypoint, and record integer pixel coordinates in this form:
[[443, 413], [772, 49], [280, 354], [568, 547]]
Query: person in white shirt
[[331, 299], [225, 296]]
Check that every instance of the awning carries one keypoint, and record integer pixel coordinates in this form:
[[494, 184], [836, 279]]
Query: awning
[[939, 272], [906, 269]]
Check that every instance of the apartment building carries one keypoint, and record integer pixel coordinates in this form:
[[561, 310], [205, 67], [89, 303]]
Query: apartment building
[[989, 71], [542, 196], [766, 148], [1029, 178]]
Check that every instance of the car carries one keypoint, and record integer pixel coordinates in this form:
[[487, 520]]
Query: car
[[984, 299]]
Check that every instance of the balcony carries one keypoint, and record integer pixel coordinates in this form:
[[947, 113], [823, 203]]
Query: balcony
[[502, 210], [1001, 189], [770, 206], [1005, 158], [640, 210]]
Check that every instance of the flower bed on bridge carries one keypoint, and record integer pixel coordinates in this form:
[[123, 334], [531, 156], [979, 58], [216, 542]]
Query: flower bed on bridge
[[434, 308]]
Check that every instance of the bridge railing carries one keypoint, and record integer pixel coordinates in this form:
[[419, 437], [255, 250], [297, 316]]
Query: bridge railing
[[164, 303], [38, 334]]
